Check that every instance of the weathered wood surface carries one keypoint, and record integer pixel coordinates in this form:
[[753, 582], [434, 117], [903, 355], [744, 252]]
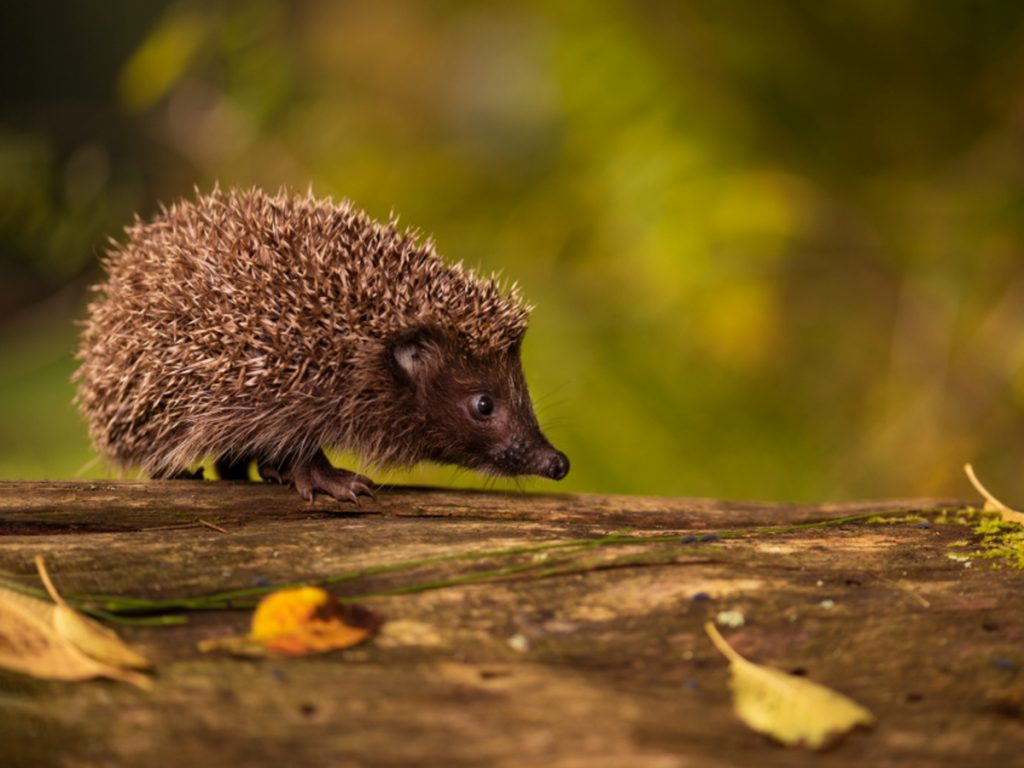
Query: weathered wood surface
[[606, 667]]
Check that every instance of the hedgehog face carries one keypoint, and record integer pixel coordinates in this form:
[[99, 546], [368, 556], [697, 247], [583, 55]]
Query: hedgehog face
[[474, 411]]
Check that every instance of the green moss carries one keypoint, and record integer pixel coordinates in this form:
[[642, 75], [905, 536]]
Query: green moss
[[1000, 541], [968, 516], [996, 540], [892, 519]]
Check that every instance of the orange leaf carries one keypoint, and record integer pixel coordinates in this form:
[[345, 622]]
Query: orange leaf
[[301, 621], [287, 611]]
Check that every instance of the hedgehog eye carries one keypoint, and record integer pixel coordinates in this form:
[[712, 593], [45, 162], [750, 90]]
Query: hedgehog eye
[[482, 406]]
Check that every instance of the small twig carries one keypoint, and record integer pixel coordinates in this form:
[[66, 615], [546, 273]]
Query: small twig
[[208, 524], [170, 526], [190, 524]]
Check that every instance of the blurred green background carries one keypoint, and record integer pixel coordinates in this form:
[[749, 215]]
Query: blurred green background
[[775, 247]]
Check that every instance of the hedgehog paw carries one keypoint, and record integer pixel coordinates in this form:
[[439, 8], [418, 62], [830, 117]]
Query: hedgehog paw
[[319, 476]]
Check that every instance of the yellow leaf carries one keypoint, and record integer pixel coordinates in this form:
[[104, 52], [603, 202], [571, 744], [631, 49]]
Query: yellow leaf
[[790, 709], [30, 644], [91, 638], [992, 504], [300, 621]]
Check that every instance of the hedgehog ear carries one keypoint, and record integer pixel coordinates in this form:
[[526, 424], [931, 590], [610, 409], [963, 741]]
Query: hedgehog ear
[[416, 354]]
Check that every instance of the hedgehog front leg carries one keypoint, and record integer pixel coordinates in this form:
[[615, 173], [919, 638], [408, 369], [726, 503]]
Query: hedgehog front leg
[[317, 475]]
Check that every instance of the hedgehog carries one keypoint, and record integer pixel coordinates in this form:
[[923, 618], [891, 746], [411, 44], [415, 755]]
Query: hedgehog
[[245, 327]]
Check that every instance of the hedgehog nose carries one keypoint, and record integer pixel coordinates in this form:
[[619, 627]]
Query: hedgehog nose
[[558, 466]]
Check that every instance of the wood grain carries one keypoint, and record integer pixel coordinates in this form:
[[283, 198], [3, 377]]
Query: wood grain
[[604, 665]]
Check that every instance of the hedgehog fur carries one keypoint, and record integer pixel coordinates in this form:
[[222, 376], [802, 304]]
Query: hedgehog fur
[[245, 325]]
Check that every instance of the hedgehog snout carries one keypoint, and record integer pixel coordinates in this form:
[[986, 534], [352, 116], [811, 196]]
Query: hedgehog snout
[[532, 457], [557, 465]]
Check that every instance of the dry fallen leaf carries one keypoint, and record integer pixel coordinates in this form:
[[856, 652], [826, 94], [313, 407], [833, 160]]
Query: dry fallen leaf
[[92, 638], [300, 621], [992, 504], [790, 709], [31, 644]]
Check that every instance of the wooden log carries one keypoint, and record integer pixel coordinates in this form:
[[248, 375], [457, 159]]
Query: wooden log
[[592, 657]]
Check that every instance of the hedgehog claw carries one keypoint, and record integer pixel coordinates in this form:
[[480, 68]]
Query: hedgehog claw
[[319, 476]]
